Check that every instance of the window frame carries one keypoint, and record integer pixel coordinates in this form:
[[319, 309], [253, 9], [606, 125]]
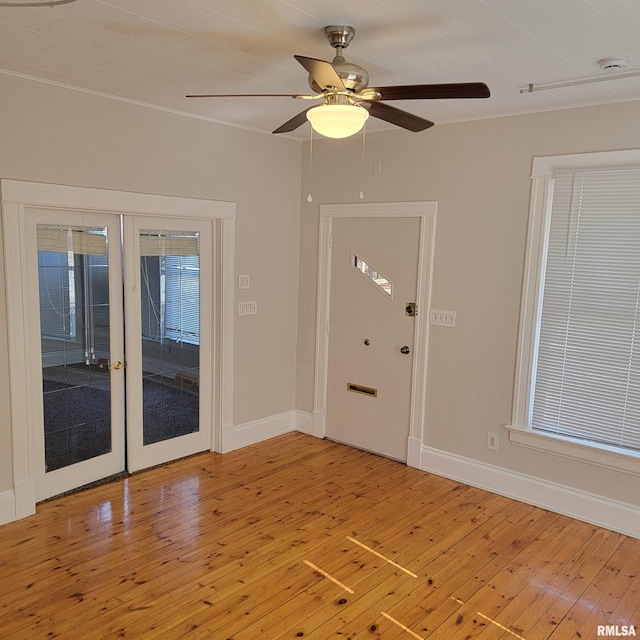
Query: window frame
[[520, 430], [388, 295]]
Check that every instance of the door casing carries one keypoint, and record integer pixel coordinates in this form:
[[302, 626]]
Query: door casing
[[426, 212], [18, 195]]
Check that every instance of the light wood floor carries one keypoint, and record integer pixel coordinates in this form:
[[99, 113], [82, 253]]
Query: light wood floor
[[303, 538]]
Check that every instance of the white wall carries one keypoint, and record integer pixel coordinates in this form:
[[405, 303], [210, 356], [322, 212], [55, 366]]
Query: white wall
[[58, 135], [478, 172]]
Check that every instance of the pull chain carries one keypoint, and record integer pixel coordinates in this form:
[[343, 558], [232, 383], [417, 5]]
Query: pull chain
[[364, 128], [310, 197]]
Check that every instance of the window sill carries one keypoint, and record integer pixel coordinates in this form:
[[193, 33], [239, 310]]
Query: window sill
[[595, 454]]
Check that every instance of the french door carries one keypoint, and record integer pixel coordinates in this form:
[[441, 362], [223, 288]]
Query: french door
[[113, 400], [168, 338]]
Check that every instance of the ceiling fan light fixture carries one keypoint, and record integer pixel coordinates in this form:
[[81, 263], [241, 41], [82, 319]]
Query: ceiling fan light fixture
[[337, 120]]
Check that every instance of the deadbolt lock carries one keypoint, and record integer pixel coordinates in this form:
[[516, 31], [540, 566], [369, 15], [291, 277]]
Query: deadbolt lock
[[411, 309]]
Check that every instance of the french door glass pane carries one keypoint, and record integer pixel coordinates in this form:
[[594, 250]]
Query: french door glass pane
[[75, 337], [170, 307]]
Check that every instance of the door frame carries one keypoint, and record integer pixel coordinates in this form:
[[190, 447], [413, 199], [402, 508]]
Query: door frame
[[426, 212], [16, 196]]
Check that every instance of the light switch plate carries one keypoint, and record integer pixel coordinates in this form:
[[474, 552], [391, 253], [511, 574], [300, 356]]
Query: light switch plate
[[248, 308], [442, 318]]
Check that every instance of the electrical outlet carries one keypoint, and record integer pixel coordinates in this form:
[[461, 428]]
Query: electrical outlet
[[492, 441], [244, 281]]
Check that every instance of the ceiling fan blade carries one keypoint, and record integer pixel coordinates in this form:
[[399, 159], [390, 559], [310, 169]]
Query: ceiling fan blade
[[294, 123], [252, 95], [430, 91], [322, 72], [397, 116]]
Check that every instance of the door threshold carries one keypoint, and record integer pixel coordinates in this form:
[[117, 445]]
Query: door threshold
[[113, 478], [375, 453], [118, 476]]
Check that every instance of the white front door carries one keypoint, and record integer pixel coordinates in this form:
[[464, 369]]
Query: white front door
[[374, 271], [75, 264]]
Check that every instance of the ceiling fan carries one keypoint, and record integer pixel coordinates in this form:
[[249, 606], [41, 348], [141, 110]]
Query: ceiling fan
[[347, 100]]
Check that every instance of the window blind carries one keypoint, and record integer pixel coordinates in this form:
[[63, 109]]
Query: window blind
[[64, 255], [78, 240], [170, 271], [168, 243], [56, 274], [587, 372], [182, 286]]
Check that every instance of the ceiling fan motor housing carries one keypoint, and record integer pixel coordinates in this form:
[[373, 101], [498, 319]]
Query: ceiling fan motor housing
[[353, 76]]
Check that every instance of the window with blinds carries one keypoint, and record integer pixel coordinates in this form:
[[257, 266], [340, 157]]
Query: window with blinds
[[73, 280], [56, 277], [182, 285], [170, 275], [586, 370]]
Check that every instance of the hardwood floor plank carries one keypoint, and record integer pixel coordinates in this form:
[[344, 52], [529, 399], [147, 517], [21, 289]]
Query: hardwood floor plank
[[217, 547], [139, 587], [628, 609], [486, 605], [402, 587], [534, 613], [606, 590]]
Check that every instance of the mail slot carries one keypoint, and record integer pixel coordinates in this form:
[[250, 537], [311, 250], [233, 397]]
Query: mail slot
[[359, 388]]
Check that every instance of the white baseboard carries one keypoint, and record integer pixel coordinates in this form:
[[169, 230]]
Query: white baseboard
[[304, 422], [263, 429], [588, 507], [243, 435], [7, 507]]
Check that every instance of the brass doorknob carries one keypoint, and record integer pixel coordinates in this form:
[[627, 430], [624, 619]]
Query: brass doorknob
[[117, 365]]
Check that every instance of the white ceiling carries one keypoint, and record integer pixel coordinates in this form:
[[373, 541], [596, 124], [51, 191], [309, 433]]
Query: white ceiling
[[156, 51]]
